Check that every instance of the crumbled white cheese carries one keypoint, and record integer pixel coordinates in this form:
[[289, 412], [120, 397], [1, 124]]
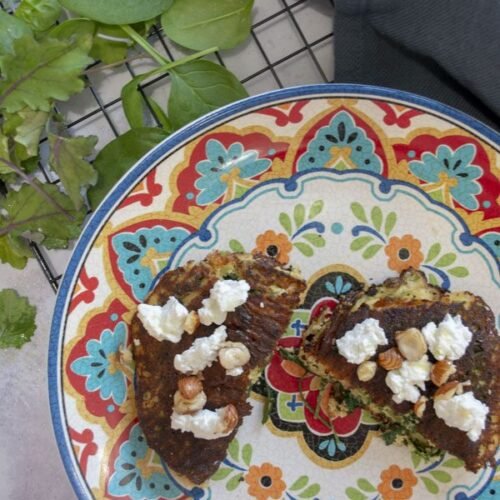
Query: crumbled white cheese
[[464, 412], [225, 296], [137, 342], [235, 372], [204, 424], [164, 322], [202, 353], [448, 340], [360, 343], [406, 381]]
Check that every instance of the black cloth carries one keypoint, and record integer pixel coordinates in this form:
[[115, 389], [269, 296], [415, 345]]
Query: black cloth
[[448, 50]]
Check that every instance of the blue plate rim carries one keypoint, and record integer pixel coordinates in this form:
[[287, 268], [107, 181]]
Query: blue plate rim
[[151, 159]]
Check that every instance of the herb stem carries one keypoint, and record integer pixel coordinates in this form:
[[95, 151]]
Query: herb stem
[[13, 225], [37, 188], [142, 42]]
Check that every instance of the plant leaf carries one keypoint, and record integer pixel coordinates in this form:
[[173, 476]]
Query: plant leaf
[[453, 463], [234, 482], [355, 494], [299, 215], [160, 115], [234, 450], [17, 319], [246, 454], [199, 87], [11, 28], [310, 491], [459, 272], [222, 473], [315, 239], [365, 485], [14, 251], [236, 246], [67, 160], [304, 249], [199, 25], [315, 209], [441, 475], [117, 11], [446, 260], [81, 31], [358, 211], [28, 130], [360, 242], [377, 217], [431, 486], [371, 251], [39, 72], [286, 223], [115, 159], [133, 102], [433, 252], [390, 222], [40, 15], [29, 212], [300, 483]]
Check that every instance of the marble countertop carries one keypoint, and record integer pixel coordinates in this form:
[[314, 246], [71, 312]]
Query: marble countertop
[[291, 45]]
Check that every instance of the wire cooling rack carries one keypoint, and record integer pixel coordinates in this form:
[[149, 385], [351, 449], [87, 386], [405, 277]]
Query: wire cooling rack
[[291, 43]]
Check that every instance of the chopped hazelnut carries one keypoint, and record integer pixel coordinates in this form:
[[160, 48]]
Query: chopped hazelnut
[[448, 390], [366, 370], [441, 372], [192, 322], [189, 387], [230, 418], [411, 344], [390, 359], [419, 406], [183, 405], [234, 355]]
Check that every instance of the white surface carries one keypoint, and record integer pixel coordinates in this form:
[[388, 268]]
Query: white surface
[[30, 465]]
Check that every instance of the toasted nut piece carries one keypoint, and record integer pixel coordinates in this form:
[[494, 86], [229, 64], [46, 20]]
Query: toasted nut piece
[[230, 418], [183, 405], [441, 372], [390, 359], [192, 322], [366, 370], [447, 391], [419, 406], [411, 344], [234, 355], [189, 387]]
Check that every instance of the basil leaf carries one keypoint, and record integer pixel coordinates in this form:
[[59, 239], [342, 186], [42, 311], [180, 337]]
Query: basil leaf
[[201, 24], [117, 11], [11, 28], [39, 14], [17, 319], [199, 87], [118, 156]]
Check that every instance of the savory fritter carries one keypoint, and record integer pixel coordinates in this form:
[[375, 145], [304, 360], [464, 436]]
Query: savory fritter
[[161, 385], [422, 360]]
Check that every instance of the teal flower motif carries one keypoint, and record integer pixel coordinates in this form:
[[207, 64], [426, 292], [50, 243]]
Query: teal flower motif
[[339, 287], [221, 164], [135, 477], [331, 446], [133, 248], [101, 365], [455, 170], [492, 239], [342, 132]]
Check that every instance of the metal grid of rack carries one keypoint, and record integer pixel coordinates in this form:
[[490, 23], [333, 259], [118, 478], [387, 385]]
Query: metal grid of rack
[[291, 43]]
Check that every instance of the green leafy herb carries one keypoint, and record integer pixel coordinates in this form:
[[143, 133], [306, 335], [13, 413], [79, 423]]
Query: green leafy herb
[[39, 72], [198, 24], [17, 319], [11, 28], [118, 156], [39, 14], [199, 87], [117, 11], [67, 160], [390, 435], [14, 251]]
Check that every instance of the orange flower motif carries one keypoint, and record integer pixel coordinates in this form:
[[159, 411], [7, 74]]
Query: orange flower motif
[[265, 482], [403, 253], [275, 245], [396, 483]]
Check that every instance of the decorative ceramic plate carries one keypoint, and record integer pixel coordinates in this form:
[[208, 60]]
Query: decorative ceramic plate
[[352, 184]]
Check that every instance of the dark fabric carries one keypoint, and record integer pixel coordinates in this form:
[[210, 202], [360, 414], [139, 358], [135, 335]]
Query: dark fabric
[[448, 50]]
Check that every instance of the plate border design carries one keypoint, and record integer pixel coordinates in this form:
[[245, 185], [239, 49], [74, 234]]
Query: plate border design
[[150, 161]]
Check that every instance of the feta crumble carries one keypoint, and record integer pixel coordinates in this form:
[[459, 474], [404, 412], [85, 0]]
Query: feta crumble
[[202, 353], [360, 343], [407, 380], [204, 424]]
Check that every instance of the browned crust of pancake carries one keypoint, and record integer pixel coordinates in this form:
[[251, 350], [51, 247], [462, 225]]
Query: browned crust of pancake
[[258, 323], [480, 364]]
